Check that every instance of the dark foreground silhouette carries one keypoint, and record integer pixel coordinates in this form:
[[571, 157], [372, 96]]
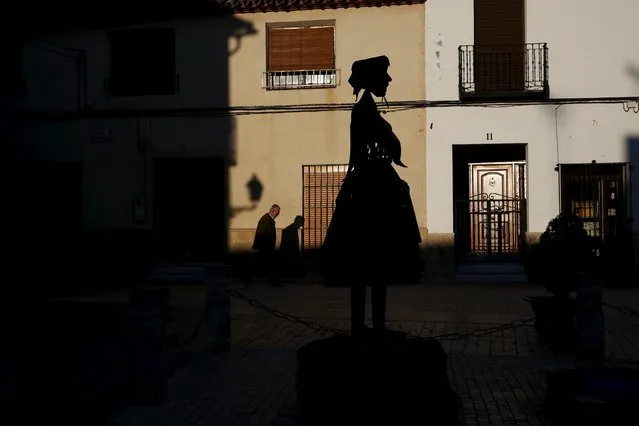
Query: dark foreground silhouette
[[373, 240], [383, 377]]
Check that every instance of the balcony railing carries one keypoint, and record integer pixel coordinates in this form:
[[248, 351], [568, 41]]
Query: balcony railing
[[503, 72], [303, 79]]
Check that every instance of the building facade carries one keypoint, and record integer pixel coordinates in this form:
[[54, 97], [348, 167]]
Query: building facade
[[533, 111], [172, 137]]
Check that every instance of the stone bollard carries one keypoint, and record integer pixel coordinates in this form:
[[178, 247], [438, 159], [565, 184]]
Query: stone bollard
[[590, 319], [148, 318], [215, 334], [214, 331]]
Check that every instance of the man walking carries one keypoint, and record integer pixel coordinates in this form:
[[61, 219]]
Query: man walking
[[265, 242]]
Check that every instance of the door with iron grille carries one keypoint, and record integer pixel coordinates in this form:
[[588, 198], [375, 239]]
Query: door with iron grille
[[490, 223], [321, 184]]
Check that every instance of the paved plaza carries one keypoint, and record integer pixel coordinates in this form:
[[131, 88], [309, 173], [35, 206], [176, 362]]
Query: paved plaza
[[499, 376]]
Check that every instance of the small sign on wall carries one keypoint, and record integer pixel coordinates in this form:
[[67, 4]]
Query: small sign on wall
[[101, 135], [139, 210]]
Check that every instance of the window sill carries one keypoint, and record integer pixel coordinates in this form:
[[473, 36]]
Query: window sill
[[303, 79]]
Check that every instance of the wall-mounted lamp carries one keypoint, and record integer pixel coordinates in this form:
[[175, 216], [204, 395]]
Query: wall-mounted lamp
[[139, 209]]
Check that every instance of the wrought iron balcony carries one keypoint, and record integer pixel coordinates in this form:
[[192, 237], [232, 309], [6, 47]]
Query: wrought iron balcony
[[514, 72]]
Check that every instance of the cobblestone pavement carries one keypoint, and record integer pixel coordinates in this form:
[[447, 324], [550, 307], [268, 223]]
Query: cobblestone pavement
[[500, 377]]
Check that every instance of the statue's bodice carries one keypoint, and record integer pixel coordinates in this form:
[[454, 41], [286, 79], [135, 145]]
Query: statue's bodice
[[373, 151], [372, 137]]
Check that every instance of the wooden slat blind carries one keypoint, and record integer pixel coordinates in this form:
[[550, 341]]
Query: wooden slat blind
[[301, 49], [321, 186], [499, 22], [499, 45]]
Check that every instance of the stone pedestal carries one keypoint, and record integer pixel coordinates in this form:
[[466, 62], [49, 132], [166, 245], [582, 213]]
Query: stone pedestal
[[215, 331], [381, 377]]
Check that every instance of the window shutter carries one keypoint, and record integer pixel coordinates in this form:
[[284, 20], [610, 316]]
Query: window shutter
[[300, 49], [317, 48], [500, 52], [285, 49], [499, 22]]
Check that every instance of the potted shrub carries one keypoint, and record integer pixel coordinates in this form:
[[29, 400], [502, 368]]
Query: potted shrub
[[563, 251]]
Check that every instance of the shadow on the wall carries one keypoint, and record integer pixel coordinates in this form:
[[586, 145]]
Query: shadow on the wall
[[75, 359], [255, 190], [181, 212]]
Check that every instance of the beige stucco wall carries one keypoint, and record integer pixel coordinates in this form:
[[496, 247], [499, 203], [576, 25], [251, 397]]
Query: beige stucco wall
[[275, 146]]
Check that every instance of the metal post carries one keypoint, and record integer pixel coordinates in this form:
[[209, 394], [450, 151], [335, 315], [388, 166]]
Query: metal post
[[489, 230], [216, 332], [500, 223]]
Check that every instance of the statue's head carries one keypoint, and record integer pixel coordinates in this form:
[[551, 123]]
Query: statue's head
[[371, 75]]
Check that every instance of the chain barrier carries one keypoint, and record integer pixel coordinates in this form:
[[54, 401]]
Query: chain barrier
[[182, 344], [323, 328], [319, 327], [484, 331], [287, 317], [259, 305]]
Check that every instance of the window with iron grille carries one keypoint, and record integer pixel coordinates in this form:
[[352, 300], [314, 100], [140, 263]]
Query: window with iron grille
[[11, 73], [600, 195], [321, 184], [300, 55], [142, 62]]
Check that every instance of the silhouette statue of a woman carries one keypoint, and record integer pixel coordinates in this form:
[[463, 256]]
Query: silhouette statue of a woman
[[373, 238]]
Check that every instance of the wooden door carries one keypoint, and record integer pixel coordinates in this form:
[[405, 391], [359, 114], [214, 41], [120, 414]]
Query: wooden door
[[189, 209], [494, 208]]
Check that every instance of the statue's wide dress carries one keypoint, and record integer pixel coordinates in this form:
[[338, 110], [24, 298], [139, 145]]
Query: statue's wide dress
[[373, 236]]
